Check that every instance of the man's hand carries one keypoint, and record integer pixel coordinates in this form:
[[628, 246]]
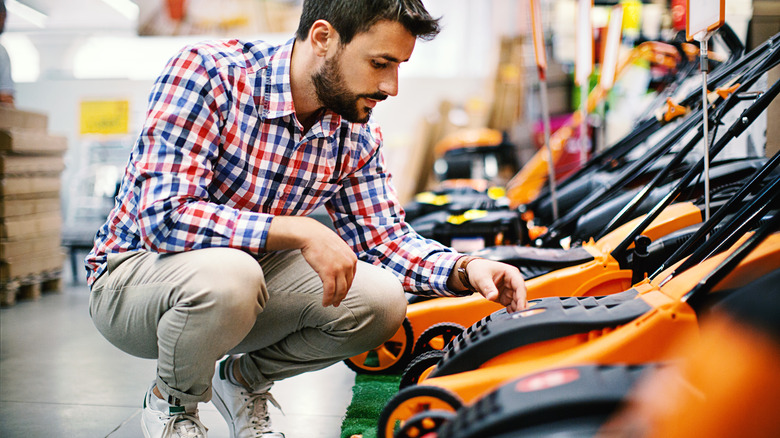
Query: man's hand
[[326, 252], [496, 281]]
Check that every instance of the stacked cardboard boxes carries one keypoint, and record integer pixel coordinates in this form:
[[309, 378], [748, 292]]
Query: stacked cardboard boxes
[[31, 163], [507, 105]]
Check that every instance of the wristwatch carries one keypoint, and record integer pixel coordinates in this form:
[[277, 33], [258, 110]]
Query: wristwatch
[[463, 275]]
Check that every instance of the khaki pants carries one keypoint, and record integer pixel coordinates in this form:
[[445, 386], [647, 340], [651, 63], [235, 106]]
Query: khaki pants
[[189, 309]]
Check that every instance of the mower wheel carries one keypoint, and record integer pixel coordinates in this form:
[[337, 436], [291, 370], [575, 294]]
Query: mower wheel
[[420, 367], [412, 401], [424, 423], [389, 358], [436, 337]]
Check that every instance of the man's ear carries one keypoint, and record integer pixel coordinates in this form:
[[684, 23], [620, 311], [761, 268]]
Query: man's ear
[[323, 37]]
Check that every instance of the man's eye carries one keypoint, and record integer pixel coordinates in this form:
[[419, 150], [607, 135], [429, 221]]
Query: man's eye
[[377, 64]]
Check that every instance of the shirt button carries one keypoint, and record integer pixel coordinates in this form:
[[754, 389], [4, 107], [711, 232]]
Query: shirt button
[[279, 194]]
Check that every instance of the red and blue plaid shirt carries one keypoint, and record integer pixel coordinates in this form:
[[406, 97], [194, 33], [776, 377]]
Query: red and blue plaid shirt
[[222, 152]]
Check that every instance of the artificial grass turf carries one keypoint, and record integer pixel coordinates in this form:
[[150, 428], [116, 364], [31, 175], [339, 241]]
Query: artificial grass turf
[[369, 396]]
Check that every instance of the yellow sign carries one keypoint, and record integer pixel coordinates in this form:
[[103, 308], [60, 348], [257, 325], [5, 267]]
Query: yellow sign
[[104, 117]]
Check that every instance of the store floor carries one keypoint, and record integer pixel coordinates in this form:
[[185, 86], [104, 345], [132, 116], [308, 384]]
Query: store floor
[[60, 378]]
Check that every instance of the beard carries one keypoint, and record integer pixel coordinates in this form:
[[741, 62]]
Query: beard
[[333, 94]]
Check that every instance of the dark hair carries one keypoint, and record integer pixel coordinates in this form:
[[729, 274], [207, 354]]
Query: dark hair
[[351, 17]]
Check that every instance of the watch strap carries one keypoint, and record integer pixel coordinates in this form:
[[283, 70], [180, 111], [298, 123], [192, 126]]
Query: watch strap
[[463, 275]]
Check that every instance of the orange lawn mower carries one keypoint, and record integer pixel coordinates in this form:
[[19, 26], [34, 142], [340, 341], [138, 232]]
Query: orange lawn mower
[[632, 327], [572, 401], [589, 269], [594, 268]]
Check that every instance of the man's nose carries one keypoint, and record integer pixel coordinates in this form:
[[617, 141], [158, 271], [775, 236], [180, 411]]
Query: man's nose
[[389, 84]]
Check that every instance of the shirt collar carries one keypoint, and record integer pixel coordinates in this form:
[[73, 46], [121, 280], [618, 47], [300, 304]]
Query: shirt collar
[[278, 93]]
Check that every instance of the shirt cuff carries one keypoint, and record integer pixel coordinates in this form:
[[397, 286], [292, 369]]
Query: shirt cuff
[[251, 231], [443, 267]]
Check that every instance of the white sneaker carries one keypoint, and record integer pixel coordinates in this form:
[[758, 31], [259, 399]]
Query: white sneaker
[[161, 420], [246, 412]]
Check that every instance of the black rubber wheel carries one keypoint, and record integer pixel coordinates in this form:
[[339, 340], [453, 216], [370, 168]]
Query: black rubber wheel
[[412, 401], [436, 337], [424, 423], [419, 365], [389, 358]]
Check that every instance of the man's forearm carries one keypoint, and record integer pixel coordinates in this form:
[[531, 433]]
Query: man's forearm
[[291, 232]]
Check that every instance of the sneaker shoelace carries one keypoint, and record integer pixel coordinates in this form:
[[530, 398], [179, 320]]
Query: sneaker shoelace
[[259, 418], [184, 426]]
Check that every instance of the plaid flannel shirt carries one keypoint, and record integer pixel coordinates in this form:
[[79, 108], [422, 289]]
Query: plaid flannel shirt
[[221, 153]]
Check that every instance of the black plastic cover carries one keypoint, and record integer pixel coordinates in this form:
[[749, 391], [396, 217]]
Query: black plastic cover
[[562, 402], [501, 332], [534, 262]]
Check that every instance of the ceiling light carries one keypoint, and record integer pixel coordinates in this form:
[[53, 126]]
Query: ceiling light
[[36, 18]]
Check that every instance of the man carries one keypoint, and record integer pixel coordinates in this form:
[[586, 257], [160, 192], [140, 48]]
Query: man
[[208, 250]]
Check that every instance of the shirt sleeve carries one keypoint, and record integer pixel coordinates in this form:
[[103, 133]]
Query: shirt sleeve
[[368, 216], [177, 150]]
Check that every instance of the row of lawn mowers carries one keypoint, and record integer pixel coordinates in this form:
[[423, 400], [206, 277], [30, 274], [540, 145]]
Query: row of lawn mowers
[[643, 252]]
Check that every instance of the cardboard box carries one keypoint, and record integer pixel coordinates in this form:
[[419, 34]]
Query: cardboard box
[[15, 269], [31, 165], [31, 226], [29, 185], [26, 141], [30, 205], [509, 85], [16, 118], [16, 249]]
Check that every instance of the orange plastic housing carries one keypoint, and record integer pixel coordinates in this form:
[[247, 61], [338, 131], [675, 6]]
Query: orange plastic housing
[[725, 385]]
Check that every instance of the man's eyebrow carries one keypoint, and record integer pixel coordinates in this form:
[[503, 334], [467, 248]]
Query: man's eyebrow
[[391, 58]]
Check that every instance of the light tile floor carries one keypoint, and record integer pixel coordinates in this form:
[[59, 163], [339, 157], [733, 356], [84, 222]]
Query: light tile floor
[[60, 378]]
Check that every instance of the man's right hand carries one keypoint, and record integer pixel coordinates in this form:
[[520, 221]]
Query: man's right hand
[[327, 253]]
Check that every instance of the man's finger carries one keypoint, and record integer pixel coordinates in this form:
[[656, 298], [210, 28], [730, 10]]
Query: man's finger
[[342, 287], [486, 287], [328, 291], [519, 295], [507, 295]]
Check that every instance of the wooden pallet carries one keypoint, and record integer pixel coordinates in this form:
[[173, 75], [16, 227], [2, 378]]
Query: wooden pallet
[[29, 287]]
